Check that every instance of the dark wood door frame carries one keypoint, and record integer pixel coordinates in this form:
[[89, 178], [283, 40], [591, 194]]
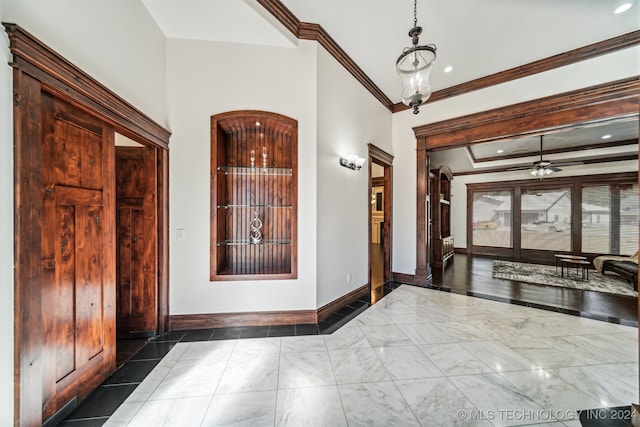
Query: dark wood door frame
[[39, 70], [599, 103], [384, 159]]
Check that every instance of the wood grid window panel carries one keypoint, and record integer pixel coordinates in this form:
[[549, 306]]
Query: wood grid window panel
[[610, 219], [492, 219], [546, 219], [242, 188]]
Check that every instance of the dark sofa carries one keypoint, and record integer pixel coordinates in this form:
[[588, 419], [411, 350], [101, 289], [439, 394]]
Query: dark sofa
[[628, 270]]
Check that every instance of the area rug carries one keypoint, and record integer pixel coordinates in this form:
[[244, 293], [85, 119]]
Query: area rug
[[546, 275]]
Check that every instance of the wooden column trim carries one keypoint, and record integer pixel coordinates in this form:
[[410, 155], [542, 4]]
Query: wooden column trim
[[70, 83], [423, 242], [28, 225], [162, 201]]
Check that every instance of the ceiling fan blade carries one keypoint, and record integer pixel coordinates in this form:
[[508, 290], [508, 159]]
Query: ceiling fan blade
[[554, 169], [518, 168], [568, 163]]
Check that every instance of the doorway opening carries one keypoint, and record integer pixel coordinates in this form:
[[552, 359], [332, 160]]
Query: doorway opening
[[380, 207], [136, 246]]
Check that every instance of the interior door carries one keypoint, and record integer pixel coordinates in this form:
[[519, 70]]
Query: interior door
[[78, 254], [137, 269]]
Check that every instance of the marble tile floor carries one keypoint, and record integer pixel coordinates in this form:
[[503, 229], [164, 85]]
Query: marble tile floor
[[418, 357], [136, 358]]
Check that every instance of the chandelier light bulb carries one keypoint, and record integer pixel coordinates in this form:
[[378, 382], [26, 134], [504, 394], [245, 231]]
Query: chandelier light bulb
[[414, 67]]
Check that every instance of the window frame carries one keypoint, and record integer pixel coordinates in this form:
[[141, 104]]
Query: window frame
[[576, 183]]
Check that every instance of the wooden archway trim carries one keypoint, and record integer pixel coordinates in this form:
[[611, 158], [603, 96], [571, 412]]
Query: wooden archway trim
[[609, 101]]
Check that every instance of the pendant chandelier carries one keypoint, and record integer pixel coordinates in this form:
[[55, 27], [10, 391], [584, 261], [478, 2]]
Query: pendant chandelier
[[414, 66]]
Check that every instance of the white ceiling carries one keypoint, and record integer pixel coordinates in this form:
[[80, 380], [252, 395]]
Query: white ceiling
[[477, 38]]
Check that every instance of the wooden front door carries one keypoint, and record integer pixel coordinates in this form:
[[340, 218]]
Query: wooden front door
[[137, 267], [78, 254]]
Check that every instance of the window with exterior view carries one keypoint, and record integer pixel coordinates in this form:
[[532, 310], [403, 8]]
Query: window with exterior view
[[492, 219], [546, 219], [610, 219]]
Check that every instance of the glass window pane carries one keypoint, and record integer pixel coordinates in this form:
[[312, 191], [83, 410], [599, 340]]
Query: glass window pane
[[610, 219], [546, 219], [492, 219], [629, 219], [596, 219]]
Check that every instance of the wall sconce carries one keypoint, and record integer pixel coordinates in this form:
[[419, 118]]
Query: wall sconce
[[352, 161]]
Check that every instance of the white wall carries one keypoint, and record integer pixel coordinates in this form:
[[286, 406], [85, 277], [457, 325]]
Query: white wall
[[349, 118], [6, 230], [618, 65], [459, 189], [207, 78], [115, 41]]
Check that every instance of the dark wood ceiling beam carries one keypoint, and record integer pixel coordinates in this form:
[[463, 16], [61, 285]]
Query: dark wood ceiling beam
[[566, 58], [613, 100]]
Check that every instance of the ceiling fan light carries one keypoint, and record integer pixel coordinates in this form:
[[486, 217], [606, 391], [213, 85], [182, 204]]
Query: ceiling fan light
[[541, 172]]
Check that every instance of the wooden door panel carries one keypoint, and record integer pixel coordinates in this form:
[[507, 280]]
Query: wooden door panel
[[88, 282], [59, 276], [131, 245], [81, 166], [78, 347], [137, 269]]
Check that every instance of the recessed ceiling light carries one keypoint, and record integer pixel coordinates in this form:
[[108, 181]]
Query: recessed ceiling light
[[500, 151], [623, 8], [448, 69], [257, 123], [607, 136]]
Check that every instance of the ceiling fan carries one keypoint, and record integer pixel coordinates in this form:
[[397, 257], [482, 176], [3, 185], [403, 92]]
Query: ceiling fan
[[541, 168]]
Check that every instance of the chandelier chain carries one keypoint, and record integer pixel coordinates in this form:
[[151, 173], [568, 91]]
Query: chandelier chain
[[415, 13]]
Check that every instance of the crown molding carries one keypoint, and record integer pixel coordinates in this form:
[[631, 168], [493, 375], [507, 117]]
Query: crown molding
[[310, 31]]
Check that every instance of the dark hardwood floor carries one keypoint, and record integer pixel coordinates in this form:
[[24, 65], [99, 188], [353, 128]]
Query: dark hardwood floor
[[471, 275]]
